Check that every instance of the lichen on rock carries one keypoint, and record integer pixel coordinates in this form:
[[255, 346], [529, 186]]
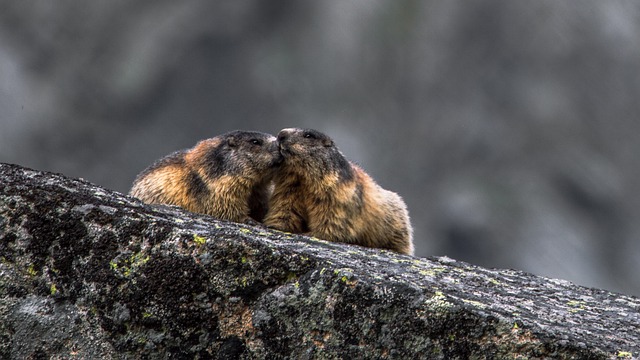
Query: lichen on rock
[[87, 272]]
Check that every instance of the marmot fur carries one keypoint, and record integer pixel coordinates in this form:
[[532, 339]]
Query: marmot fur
[[320, 193], [227, 177]]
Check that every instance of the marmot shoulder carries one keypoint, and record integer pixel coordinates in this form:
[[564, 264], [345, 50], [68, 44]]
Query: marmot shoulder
[[320, 193], [227, 177]]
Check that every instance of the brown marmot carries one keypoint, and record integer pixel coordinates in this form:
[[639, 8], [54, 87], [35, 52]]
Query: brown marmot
[[320, 193], [227, 177]]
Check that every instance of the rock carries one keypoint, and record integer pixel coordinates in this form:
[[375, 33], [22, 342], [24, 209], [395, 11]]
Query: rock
[[90, 273]]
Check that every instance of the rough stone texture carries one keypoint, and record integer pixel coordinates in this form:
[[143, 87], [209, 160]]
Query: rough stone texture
[[90, 273], [510, 128]]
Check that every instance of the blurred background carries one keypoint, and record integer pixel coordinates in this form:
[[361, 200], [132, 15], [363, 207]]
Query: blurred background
[[510, 128]]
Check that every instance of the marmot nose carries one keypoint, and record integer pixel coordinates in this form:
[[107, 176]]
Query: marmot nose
[[282, 136]]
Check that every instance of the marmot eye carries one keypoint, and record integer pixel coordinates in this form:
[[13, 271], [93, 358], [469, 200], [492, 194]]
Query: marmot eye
[[256, 142], [309, 136]]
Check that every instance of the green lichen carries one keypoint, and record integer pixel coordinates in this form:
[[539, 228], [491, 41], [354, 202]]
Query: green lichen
[[244, 260], [52, 289], [199, 240], [292, 276], [130, 265], [576, 306], [31, 270], [438, 301], [625, 354], [474, 303], [347, 279], [138, 259], [432, 272], [345, 270]]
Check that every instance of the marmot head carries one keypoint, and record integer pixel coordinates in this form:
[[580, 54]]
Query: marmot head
[[310, 151], [248, 154]]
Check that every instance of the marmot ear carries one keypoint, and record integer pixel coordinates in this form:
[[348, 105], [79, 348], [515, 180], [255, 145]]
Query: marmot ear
[[232, 142], [327, 142]]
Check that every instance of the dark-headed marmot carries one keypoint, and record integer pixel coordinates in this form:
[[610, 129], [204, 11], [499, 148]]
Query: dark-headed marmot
[[227, 177], [320, 193]]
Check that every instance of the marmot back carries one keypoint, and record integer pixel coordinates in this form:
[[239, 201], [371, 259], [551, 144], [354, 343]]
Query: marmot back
[[320, 193], [227, 177]]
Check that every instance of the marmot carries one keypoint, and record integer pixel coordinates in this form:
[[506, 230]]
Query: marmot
[[320, 193], [227, 177]]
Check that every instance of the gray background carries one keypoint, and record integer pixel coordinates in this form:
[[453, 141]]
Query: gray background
[[509, 127]]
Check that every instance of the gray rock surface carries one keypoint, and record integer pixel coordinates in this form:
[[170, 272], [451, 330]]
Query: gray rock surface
[[509, 127], [90, 273]]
